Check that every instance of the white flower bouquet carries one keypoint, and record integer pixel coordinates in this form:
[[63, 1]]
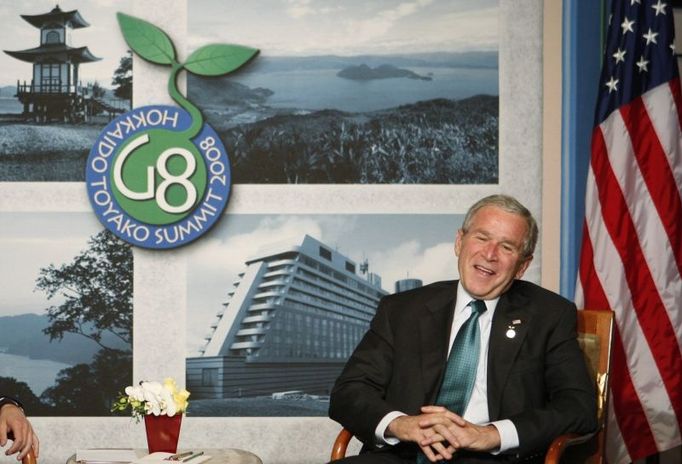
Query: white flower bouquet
[[153, 398]]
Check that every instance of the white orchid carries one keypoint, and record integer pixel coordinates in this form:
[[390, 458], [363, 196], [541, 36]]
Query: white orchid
[[135, 393], [153, 398]]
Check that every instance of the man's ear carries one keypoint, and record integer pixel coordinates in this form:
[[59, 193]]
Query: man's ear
[[523, 267], [458, 242]]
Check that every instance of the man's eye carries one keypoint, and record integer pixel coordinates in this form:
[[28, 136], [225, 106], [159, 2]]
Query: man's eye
[[509, 249]]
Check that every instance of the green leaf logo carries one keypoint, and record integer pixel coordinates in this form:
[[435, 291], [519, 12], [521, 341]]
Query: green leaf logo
[[219, 59], [152, 44], [169, 176], [147, 40]]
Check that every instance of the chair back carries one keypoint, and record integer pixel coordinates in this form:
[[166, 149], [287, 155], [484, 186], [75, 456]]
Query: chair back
[[595, 333]]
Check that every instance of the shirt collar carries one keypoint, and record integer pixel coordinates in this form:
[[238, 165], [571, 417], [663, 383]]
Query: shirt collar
[[464, 298]]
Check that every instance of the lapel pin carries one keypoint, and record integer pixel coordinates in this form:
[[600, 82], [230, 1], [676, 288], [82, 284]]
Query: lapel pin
[[511, 333]]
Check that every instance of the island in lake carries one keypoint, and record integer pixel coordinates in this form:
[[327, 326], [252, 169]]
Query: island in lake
[[384, 71]]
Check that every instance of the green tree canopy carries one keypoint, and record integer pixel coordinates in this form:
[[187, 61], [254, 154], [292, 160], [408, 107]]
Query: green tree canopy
[[90, 389], [96, 289], [22, 392], [97, 90], [123, 78]]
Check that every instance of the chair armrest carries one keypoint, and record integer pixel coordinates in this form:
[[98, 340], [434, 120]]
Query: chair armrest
[[560, 443], [340, 445], [30, 458]]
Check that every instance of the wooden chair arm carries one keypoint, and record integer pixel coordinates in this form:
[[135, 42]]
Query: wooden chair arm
[[560, 443], [30, 458], [340, 445]]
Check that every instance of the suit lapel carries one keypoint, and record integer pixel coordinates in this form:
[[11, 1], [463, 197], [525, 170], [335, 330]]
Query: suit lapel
[[434, 333], [511, 313]]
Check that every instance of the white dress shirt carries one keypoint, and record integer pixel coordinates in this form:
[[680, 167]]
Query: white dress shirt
[[477, 410]]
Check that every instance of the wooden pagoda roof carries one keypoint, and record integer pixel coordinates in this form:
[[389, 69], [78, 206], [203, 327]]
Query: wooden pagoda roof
[[58, 51], [73, 18]]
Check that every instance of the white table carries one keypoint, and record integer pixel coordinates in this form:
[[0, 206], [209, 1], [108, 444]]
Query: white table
[[218, 456]]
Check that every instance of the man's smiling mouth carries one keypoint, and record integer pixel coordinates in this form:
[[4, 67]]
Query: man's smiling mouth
[[484, 270]]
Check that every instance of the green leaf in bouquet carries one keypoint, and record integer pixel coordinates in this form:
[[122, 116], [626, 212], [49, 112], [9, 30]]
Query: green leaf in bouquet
[[147, 40], [218, 59]]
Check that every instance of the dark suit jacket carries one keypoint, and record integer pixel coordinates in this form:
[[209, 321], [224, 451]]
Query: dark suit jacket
[[538, 379]]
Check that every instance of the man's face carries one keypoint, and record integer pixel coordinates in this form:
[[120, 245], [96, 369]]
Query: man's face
[[491, 252]]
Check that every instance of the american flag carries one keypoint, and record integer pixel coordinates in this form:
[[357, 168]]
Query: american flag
[[631, 257]]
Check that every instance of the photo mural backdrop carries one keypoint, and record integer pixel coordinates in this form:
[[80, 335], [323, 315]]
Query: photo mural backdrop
[[401, 103]]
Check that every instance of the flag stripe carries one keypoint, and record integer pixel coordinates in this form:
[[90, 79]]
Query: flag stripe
[[677, 98], [646, 302], [650, 231], [615, 454], [626, 405], [663, 106], [639, 374], [654, 166]]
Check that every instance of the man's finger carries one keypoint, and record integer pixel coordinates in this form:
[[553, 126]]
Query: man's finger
[[442, 450], [448, 435], [432, 409], [433, 420], [16, 446], [36, 446], [430, 455], [24, 452], [431, 439], [3, 434], [441, 411]]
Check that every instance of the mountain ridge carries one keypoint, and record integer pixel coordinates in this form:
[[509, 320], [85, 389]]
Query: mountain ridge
[[23, 335]]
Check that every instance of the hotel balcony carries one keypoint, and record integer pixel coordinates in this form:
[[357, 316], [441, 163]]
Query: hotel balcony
[[259, 318], [252, 331], [246, 345], [263, 306]]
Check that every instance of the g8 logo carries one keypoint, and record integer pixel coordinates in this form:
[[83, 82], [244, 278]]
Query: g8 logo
[[159, 194], [158, 178]]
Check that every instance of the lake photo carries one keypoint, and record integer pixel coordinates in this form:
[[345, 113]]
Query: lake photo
[[65, 313], [358, 92], [39, 374], [10, 105]]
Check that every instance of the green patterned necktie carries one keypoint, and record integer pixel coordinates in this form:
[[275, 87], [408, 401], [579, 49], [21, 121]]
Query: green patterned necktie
[[460, 372]]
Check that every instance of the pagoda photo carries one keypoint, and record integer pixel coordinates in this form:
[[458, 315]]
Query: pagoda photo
[[55, 93]]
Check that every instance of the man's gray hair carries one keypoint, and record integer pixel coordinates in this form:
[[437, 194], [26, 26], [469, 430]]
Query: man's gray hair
[[511, 205]]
